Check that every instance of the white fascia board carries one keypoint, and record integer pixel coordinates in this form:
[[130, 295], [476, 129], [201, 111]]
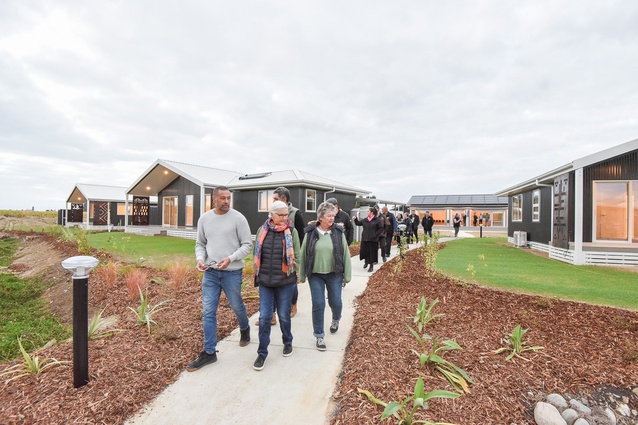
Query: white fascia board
[[606, 154]]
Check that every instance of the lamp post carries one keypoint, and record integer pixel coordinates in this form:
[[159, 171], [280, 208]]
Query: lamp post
[[80, 266]]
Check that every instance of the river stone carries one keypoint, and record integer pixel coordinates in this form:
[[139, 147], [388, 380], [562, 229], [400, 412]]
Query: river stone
[[623, 409], [581, 421], [570, 415], [546, 414], [611, 415], [557, 401], [579, 406]]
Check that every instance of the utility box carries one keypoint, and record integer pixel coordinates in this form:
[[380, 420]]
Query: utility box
[[520, 238]]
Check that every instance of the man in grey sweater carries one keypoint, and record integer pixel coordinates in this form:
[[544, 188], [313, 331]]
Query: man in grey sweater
[[223, 240]]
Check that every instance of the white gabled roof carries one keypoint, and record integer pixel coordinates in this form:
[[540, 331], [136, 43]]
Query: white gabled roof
[[585, 161], [162, 172], [290, 178], [96, 192]]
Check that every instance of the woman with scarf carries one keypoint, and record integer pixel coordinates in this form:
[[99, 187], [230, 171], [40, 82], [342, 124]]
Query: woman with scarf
[[372, 229], [325, 259], [275, 264]]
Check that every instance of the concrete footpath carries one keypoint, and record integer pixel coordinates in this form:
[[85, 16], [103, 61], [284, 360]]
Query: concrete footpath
[[289, 390]]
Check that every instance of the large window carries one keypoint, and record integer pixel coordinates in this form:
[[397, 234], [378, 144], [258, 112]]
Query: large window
[[517, 208], [189, 210], [536, 205], [265, 199], [311, 200], [612, 205], [208, 199], [121, 207]]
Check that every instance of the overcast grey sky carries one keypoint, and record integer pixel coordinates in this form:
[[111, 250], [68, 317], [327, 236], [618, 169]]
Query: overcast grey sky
[[400, 98]]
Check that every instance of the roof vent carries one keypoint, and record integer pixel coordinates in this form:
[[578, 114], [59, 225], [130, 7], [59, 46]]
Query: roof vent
[[254, 176]]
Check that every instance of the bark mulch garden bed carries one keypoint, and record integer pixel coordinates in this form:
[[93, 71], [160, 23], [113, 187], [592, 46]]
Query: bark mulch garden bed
[[586, 348]]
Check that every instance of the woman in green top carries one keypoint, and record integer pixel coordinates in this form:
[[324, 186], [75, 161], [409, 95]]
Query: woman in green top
[[325, 259]]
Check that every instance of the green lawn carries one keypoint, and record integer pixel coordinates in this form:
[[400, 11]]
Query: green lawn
[[495, 263], [156, 251]]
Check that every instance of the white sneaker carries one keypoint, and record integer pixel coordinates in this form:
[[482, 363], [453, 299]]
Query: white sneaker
[[321, 345]]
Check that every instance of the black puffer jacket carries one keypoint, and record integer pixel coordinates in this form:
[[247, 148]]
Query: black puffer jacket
[[272, 252]]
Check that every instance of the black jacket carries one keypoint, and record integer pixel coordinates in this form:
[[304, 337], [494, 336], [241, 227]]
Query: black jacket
[[372, 229], [272, 256], [428, 222], [344, 219]]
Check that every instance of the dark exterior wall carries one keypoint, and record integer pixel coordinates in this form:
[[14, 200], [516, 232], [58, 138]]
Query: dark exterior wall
[[247, 202], [623, 167], [180, 187], [541, 231], [116, 220]]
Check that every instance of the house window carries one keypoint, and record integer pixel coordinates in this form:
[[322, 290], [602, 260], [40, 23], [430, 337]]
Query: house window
[[265, 199], [536, 205], [517, 208], [189, 210], [208, 199], [612, 206], [121, 208], [311, 200]]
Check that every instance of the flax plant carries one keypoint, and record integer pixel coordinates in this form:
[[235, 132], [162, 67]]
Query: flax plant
[[98, 327], [145, 311], [424, 313], [30, 366], [454, 374], [516, 344], [404, 410]]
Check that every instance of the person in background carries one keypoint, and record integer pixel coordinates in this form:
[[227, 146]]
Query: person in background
[[400, 227], [407, 220], [428, 223], [390, 230], [223, 240], [325, 260], [457, 224], [275, 260], [344, 219], [414, 219], [372, 228]]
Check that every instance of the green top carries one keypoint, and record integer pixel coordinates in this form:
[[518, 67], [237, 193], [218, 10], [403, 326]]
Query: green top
[[324, 259]]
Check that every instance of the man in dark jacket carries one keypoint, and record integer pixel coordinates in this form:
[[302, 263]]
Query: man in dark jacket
[[343, 218], [414, 218], [390, 230], [428, 223]]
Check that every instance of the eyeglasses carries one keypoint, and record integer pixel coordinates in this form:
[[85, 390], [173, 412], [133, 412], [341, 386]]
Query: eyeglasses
[[282, 215]]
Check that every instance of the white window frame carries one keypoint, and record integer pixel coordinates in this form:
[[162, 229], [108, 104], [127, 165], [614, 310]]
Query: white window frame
[[536, 205], [267, 196], [517, 212], [311, 200], [630, 211]]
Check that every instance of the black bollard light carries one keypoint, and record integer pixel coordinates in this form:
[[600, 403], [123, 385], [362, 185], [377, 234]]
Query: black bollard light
[[481, 230], [80, 266]]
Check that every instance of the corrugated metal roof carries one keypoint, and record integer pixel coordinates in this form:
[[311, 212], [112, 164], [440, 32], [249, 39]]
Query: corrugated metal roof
[[289, 177], [457, 200], [97, 192]]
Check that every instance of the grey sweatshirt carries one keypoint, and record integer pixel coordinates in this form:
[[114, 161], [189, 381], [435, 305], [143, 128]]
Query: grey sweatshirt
[[225, 235]]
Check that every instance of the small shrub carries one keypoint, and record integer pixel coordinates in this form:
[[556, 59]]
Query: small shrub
[[135, 281], [424, 313]]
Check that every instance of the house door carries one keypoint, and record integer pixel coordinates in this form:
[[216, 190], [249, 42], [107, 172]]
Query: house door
[[77, 212], [140, 211], [101, 213], [170, 211]]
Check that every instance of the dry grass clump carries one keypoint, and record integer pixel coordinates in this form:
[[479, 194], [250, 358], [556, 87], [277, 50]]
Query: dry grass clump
[[135, 281], [109, 272], [180, 273]]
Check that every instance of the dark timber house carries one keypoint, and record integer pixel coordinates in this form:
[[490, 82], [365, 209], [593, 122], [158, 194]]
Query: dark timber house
[[94, 206], [585, 212], [184, 193]]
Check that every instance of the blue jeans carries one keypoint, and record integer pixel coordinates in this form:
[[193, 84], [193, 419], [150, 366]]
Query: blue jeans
[[319, 283], [212, 284], [281, 297]]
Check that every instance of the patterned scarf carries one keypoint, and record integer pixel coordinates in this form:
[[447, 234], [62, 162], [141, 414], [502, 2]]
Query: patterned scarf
[[288, 249]]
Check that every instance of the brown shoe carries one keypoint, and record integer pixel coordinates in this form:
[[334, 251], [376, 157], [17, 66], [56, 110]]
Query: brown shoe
[[293, 311], [273, 321]]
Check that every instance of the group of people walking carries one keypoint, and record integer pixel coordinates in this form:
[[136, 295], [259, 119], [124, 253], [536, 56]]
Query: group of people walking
[[285, 253]]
